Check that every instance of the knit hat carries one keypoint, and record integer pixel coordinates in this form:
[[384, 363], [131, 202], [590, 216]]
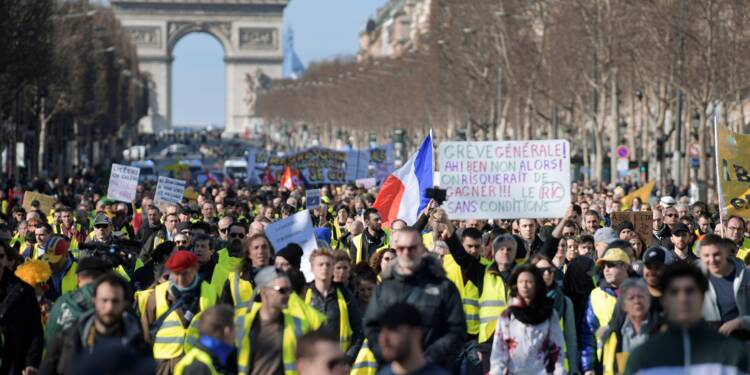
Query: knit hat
[[292, 253], [181, 260], [606, 235], [624, 225], [56, 249]]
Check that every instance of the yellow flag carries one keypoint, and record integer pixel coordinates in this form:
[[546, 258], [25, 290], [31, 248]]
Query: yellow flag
[[734, 164], [644, 192]]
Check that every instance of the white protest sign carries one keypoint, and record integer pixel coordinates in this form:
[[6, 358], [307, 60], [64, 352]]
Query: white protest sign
[[505, 180], [312, 198], [168, 190], [297, 229], [123, 181], [365, 183]]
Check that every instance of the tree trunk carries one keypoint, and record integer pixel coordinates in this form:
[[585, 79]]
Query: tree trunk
[[615, 135], [42, 140]]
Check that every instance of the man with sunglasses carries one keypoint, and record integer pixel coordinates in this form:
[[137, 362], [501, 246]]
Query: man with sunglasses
[[689, 345], [267, 331], [102, 230], [601, 306]]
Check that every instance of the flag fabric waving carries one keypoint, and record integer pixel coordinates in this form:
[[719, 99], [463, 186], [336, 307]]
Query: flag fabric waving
[[644, 192], [402, 195], [290, 179], [734, 180]]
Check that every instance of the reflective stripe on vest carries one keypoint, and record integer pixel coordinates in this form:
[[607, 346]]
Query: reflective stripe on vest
[[603, 305], [345, 328], [365, 363], [468, 291], [170, 341], [241, 289], [359, 239], [195, 355], [492, 303], [297, 307], [294, 327]]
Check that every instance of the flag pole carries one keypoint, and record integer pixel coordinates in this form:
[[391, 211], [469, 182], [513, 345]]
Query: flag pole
[[718, 174]]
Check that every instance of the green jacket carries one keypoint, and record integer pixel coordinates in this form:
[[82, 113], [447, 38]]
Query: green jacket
[[701, 349], [68, 308]]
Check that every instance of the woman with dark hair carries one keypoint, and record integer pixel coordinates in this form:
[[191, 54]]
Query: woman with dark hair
[[528, 339]]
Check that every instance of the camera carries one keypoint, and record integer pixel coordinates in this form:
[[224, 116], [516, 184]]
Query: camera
[[118, 253]]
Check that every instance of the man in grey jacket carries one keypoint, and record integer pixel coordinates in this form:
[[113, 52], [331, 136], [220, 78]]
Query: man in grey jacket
[[727, 303]]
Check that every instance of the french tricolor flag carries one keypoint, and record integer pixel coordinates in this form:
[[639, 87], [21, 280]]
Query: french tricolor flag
[[402, 195]]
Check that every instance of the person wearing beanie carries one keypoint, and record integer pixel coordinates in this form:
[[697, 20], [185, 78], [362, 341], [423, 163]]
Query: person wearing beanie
[[624, 230], [170, 313], [289, 257], [267, 331]]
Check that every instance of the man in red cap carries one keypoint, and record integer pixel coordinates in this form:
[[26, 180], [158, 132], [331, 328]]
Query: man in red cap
[[171, 313]]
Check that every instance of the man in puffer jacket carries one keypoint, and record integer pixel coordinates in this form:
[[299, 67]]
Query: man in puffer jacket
[[689, 345], [418, 279]]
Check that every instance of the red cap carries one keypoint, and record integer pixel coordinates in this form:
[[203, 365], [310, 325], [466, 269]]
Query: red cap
[[181, 260]]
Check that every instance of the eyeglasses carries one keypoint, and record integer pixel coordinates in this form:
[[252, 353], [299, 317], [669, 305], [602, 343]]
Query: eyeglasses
[[236, 235], [336, 362], [283, 290]]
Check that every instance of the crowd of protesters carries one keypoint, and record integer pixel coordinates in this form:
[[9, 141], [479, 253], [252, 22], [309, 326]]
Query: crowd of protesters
[[91, 286]]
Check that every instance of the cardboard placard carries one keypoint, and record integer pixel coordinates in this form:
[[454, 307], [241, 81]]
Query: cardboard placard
[[45, 201], [642, 221]]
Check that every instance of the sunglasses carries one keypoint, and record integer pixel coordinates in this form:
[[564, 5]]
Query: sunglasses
[[181, 242], [101, 226], [223, 230], [283, 290], [236, 235], [546, 269]]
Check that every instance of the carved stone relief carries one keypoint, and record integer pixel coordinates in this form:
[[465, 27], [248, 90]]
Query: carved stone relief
[[258, 38], [146, 36]]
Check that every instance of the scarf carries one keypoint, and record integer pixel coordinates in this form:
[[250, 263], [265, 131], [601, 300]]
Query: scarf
[[558, 300], [189, 297], [538, 311], [220, 349]]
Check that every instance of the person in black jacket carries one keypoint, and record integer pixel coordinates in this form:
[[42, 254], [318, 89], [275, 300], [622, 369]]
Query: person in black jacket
[[419, 279], [108, 323], [20, 320]]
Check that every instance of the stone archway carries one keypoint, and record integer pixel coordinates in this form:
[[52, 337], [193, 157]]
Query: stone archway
[[248, 30]]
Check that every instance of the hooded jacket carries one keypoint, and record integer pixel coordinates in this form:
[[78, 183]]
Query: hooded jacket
[[64, 351], [437, 300], [741, 285], [699, 349]]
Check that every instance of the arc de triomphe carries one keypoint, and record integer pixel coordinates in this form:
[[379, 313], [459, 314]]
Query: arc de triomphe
[[248, 30]]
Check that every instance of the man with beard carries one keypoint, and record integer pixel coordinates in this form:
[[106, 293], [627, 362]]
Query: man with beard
[[108, 322], [371, 240], [152, 225], [401, 343]]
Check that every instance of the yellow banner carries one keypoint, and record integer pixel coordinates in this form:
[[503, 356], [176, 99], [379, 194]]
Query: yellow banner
[[734, 164], [644, 192]]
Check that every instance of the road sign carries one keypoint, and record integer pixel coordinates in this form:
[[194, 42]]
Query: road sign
[[622, 152]]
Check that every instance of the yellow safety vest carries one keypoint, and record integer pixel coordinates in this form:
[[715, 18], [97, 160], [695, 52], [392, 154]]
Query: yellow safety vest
[[241, 289], [428, 240], [743, 250], [492, 302], [192, 356], [358, 239], [603, 305], [141, 298], [345, 328], [173, 339], [365, 363], [69, 281], [294, 327], [224, 266], [467, 290]]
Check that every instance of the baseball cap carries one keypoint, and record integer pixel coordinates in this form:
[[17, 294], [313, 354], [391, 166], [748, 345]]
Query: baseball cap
[[680, 227], [606, 235], [657, 255], [614, 255], [401, 314], [667, 201], [92, 264], [183, 225], [102, 219]]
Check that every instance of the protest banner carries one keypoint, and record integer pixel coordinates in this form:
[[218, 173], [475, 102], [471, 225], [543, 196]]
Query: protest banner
[[365, 183], [168, 190], [297, 229], [642, 221], [733, 164], [312, 198], [45, 201], [508, 180], [123, 181]]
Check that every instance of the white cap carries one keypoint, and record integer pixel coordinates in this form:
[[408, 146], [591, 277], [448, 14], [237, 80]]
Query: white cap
[[667, 201]]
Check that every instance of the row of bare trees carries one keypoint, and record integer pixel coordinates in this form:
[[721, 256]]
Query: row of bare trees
[[602, 73], [70, 89]]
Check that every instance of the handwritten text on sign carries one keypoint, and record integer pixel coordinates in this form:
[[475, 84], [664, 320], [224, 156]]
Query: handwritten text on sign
[[123, 181], [169, 190], [508, 180]]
